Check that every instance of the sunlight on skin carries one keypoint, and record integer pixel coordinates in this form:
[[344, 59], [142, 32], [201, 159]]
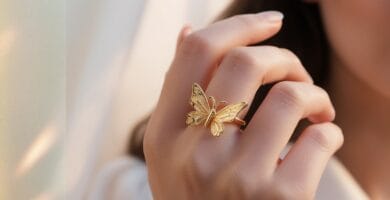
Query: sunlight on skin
[[38, 148]]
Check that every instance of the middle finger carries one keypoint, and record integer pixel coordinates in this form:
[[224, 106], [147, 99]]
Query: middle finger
[[237, 79]]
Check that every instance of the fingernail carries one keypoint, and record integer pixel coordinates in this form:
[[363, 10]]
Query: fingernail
[[272, 16]]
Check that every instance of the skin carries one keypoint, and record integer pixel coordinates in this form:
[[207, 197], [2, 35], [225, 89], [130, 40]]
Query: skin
[[188, 163], [360, 87]]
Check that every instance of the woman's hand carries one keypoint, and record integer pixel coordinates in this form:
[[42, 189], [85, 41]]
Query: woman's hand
[[188, 163]]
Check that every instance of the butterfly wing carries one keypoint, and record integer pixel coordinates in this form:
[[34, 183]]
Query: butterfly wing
[[226, 114], [229, 112], [201, 105], [195, 118], [216, 128], [199, 99]]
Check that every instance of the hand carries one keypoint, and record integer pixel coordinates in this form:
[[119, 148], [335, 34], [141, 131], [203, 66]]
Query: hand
[[188, 163]]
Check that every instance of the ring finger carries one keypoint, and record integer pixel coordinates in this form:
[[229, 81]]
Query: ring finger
[[240, 74]]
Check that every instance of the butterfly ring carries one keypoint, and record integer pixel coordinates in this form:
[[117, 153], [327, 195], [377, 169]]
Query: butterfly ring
[[206, 112]]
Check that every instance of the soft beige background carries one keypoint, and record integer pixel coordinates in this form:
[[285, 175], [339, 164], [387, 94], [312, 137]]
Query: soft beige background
[[75, 76], [32, 97], [118, 52]]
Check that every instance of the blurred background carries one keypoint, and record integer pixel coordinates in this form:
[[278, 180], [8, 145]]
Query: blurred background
[[75, 76]]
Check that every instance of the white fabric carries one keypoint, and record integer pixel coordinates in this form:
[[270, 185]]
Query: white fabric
[[100, 37], [117, 54], [126, 179], [338, 183]]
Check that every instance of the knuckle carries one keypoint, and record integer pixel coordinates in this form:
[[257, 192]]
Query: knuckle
[[193, 170], [323, 92], [267, 53], [241, 183], [328, 137], [240, 59], [269, 50], [197, 43], [287, 93], [293, 58], [337, 134], [326, 99], [320, 138]]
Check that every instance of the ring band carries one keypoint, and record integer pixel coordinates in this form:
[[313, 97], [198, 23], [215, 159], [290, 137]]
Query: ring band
[[239, 121], [206, 111]]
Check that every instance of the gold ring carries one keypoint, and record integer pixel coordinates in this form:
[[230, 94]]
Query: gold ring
[[208, 113]]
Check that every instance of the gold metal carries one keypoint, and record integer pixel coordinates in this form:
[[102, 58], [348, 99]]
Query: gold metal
[[206, 113]]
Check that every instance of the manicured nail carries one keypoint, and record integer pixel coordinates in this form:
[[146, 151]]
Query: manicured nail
[[272, 16]]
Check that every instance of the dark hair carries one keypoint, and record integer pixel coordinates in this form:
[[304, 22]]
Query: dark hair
[[302, 33]]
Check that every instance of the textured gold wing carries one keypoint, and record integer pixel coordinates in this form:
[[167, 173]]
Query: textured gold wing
[[226, 114], [229, 112], [201, 105], [216, 128], [196, 118]]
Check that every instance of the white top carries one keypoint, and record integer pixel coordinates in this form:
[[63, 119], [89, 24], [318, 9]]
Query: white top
[[126, 178]]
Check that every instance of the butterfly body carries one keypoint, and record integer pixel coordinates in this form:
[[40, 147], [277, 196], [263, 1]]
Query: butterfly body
[[206, 111], [210, 117]]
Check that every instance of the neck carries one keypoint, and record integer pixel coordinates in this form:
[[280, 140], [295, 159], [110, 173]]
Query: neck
[[364, 116]]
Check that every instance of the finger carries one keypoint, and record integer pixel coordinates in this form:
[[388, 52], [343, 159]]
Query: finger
[[304, 165], [244, 69], [201, 51], [184, 32], [275, 120], [240, 74]]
